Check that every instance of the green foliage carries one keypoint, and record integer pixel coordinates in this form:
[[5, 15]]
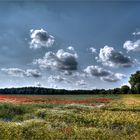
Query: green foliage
[[125, 89], [9, 111], [135, 82]]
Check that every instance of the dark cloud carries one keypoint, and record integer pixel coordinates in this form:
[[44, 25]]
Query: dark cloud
[[22, 73], [60, 60], [110, 57]]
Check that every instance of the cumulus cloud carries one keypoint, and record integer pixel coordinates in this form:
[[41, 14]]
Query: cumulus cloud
[[113, 77], [60, 60], [110, 57], [40, 38], [132, 45], [96, 71], [103, 74], [93, 50], [22, 73]]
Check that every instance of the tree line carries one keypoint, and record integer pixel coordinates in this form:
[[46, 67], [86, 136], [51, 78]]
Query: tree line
[[50, 91], [134, 88]]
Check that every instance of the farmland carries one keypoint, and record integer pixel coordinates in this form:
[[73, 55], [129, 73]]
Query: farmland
[[42, 117]]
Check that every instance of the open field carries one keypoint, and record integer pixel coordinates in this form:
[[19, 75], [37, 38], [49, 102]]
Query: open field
[[99, 117]]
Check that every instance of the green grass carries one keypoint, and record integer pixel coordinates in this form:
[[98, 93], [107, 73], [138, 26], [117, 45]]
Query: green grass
[[118, 120]]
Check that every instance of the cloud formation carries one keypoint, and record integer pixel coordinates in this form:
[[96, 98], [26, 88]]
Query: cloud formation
[[103, 74], [81, 82], [96, 71], [40, 38], [71, 48], [110, 57], [132, 45], [60, 60], [93, 50], [22, 73], [56, 78], [136, 33], [114, 77]]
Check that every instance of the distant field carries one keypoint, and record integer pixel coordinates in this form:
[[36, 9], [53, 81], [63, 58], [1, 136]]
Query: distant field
[[54, 99], [99, 117]]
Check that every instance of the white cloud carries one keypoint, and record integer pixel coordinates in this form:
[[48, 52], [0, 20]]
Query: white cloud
[[79, 74], [103, 74], [41, 38], [93, 50], [132, 45], [56, 78], [67, 72], [38, 84], [114, 77], [32, 73], [71, 48], [110, 57], [96, 71], [136, 33], [81, 82], [61, 60], [22, 73]]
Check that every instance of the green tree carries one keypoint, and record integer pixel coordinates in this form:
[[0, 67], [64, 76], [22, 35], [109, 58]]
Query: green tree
[[125, 89], [135, 82]]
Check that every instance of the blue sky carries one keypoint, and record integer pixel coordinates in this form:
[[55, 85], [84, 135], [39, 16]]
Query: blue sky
[[72, 45]]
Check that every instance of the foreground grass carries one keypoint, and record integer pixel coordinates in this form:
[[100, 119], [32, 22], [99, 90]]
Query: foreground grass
[[118, 120]]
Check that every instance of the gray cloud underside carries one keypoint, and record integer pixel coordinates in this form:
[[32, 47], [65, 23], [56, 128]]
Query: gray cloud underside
[[60, 60], [110, 57], [113, 77], [96, 71], [22, 73], [41, 38], [103, 74]]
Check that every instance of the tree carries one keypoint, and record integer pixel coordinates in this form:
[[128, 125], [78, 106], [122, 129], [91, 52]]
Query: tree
[[125, 89], [135, 82]]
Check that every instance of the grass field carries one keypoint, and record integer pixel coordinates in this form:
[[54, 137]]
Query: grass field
[[93, 117]]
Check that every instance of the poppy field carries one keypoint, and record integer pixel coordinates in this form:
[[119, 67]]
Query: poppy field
[[53, 117]]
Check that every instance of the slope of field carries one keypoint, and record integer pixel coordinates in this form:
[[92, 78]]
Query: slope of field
[[99, 117]]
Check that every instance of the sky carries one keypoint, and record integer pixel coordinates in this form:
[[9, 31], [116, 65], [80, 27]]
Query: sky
[[68, 44]]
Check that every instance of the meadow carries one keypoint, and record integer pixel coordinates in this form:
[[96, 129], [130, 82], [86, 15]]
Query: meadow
[[71, 117]]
